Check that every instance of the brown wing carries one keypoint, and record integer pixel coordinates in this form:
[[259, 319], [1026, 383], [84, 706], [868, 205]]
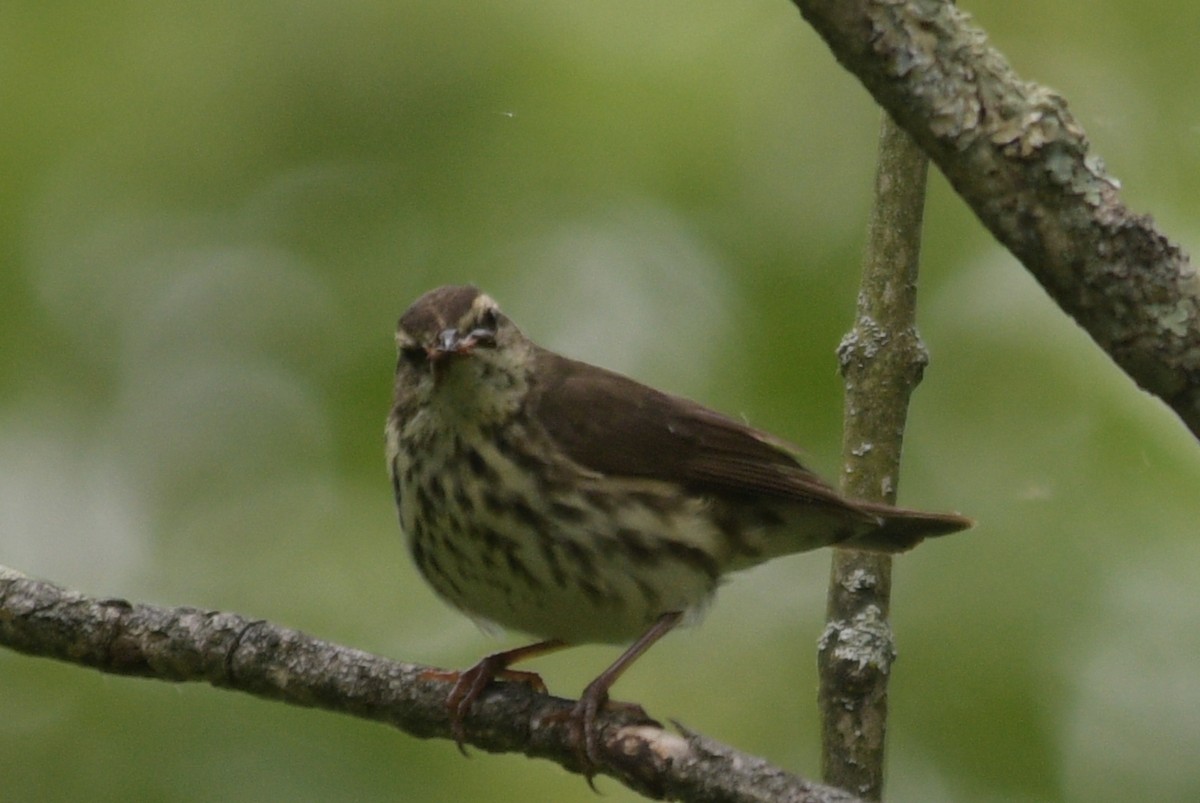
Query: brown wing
[[611, 424]]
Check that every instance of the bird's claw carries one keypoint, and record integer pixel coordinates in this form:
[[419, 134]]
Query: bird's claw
[[583, 734], [469, 684]]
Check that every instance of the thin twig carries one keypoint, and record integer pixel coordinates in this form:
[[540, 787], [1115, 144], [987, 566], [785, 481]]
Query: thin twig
[[882, 359]]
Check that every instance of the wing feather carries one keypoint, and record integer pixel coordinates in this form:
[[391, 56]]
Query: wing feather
[[614, 425]]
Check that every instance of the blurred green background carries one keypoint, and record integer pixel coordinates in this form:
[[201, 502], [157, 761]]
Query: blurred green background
[[212, 214]]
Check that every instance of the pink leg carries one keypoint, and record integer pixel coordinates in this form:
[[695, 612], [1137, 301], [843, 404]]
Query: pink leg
[[595, 696], [470, 683]]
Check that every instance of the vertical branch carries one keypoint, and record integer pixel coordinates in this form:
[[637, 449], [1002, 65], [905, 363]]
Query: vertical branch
[[881, 360]]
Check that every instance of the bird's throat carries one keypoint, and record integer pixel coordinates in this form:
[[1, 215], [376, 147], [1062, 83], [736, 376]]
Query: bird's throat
[[469, 389]]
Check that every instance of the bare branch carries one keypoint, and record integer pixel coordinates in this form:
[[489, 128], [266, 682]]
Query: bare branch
[[882, 360], [1021, 161], [260, 658]]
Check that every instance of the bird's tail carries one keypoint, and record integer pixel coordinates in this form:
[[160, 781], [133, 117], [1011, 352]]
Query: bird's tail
[[902, 529]]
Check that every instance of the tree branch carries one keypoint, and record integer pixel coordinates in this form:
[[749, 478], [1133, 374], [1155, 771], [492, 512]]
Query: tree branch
[[260, 658], [1021, 161], [882, 359]]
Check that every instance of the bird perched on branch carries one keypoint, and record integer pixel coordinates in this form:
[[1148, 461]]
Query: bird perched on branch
[[572, 503]]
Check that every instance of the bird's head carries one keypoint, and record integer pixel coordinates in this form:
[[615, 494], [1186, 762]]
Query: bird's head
[[458, 352]]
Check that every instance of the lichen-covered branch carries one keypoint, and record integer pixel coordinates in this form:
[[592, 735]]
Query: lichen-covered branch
[[882, 359], [254, 656], [1022, 162]]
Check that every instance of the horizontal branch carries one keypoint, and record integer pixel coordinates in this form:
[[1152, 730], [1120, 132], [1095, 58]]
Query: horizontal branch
[[1022, 162], [260, 658]]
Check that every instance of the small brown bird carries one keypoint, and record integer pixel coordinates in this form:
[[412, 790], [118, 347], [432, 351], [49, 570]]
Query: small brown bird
[[577, 505]]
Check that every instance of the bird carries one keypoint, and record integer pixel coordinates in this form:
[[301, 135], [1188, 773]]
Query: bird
[[576, 505]]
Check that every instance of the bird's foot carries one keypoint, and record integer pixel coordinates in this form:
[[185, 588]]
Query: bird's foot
[[584, 735], [469, 684]]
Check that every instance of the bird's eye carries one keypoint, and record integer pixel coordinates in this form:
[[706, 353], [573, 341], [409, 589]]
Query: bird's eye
[[484, 331], [414, 355]]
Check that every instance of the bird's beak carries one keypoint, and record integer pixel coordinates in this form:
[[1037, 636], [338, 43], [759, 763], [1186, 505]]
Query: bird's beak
[[446, 345], [450, 343]]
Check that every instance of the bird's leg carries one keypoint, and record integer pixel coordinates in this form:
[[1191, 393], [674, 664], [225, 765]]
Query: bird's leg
[[595, 696], [470, 683]]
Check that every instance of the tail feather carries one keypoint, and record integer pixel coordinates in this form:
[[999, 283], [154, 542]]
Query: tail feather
[[901, 529]]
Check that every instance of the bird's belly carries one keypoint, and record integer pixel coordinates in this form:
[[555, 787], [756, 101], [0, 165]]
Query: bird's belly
[[593, 564]]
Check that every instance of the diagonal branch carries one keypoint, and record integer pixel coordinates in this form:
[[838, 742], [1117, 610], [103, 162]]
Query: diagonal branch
[[260, 658], [1018, 157]]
